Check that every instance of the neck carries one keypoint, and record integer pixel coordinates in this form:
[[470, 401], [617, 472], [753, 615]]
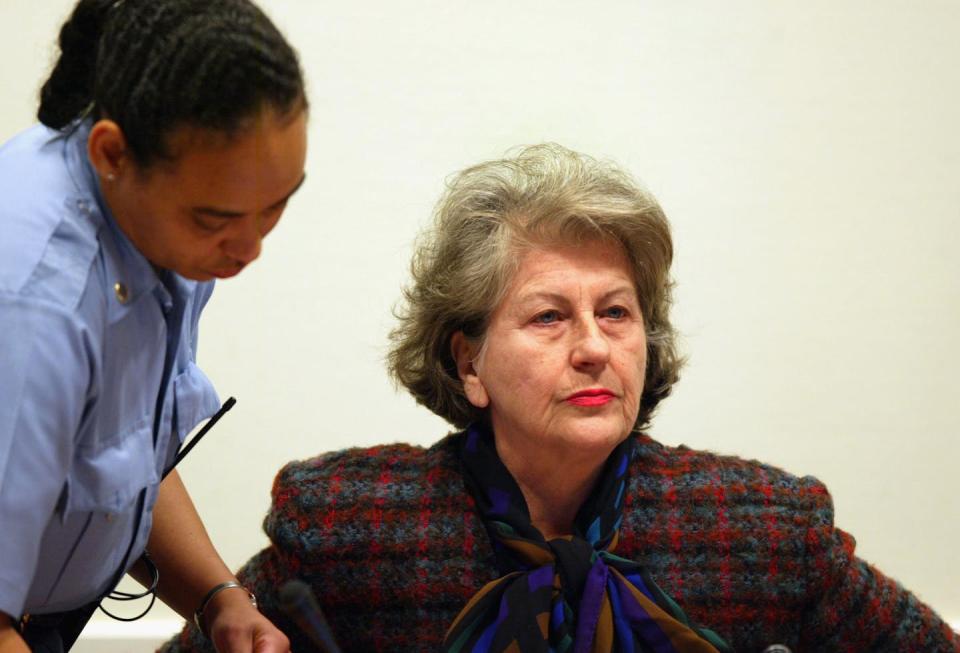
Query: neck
[[553, 487], [116, 201]]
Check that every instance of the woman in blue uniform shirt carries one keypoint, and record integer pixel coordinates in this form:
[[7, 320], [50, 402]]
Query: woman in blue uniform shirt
[[173, 133]]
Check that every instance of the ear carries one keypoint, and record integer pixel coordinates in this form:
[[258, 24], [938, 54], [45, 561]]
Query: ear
[[464, 352], [107, 149]]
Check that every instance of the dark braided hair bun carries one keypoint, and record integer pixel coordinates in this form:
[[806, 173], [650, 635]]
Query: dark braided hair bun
[[155, 65], [69, 89]]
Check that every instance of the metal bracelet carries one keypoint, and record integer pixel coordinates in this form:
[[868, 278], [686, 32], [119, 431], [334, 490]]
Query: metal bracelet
[[198, 615]]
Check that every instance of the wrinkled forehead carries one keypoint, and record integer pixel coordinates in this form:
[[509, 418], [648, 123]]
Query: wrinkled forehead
[[554, 266]]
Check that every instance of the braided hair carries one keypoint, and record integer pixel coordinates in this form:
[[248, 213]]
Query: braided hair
[[152, 66]]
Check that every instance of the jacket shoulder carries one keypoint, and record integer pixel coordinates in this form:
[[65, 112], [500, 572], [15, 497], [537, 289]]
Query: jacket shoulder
[[356, 496], [689, 478], [727, 538]]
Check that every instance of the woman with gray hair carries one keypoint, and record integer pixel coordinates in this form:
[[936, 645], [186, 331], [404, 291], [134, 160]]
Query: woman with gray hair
[[538, 323]]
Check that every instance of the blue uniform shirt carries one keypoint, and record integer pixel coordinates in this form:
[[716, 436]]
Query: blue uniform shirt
[[98, 381]]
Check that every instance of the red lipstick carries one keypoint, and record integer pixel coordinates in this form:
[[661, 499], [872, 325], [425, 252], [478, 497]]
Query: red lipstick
[[591, 397]]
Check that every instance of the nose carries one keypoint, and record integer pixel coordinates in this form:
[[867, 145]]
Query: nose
[[590, 346], [243, 244]]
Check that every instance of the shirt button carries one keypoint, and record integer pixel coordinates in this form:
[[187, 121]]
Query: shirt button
[[120, 289], [110, 516]]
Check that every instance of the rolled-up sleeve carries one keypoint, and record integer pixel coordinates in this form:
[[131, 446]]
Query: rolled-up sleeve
[[45, 376]]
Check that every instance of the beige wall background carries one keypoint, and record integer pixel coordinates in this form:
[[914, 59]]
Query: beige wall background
[[807, 154]]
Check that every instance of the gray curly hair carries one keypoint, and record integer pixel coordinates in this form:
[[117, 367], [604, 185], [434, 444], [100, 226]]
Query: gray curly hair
[[488, 217]]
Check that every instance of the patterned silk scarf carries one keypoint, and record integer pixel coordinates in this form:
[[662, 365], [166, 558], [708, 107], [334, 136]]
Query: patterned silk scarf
[[570, 594]]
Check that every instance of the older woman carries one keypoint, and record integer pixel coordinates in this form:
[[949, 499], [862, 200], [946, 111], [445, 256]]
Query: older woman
[[537, 322]]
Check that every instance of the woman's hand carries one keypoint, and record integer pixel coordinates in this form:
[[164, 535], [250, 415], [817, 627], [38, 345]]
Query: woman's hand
[[235, 626], [190, 567]]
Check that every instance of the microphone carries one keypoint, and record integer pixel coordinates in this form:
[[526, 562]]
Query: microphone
[[300, 604], [777, 648]]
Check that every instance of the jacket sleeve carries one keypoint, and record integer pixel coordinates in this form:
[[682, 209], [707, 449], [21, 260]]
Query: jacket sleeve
[[852, 606]]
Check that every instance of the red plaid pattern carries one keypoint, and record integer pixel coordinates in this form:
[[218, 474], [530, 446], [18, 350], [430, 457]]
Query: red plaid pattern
[[389, 541]]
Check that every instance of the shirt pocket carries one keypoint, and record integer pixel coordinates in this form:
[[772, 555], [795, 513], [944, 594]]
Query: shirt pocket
[[109, 477], [195, 400]]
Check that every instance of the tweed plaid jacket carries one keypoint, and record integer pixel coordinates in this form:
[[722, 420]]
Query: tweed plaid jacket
[[390, 542]]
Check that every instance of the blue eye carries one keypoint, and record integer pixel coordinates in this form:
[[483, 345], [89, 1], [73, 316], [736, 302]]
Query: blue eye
[[616, 312], [547, 317]]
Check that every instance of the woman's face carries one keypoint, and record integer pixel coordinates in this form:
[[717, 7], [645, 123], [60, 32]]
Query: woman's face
[[562, 365], [205, 214]]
